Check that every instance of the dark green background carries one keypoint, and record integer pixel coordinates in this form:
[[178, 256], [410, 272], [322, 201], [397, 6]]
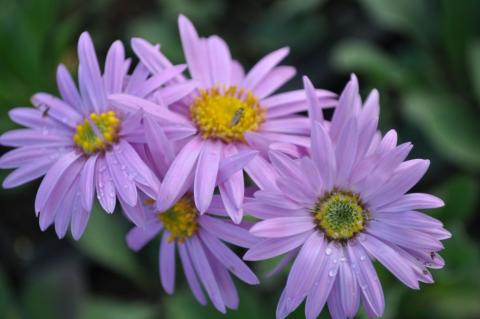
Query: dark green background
[[424, 56]]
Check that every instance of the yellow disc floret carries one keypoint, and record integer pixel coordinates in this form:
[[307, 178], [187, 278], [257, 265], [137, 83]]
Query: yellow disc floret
[[180, 220], [89, 141], [226, 113], [340, 215]]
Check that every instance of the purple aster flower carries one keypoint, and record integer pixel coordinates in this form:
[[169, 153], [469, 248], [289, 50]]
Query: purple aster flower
[[233, 115], [344, 206], [81, 143], [199, 239]]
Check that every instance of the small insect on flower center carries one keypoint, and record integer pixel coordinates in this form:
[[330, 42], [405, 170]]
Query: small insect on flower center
[[180, 220], [340, 215], [225, 113], [93, 139]]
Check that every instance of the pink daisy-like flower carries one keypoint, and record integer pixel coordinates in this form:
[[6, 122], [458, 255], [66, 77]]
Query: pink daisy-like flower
[[232, 113], [344, 206], [81, 143], [199, 239]]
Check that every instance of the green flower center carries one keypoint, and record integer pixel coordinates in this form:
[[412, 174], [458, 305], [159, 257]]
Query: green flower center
[[340, 215]]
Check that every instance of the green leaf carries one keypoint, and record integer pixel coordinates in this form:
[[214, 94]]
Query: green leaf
[[104, 242], [448, 124], [103, 308], [395, 15], [460, 194], [54, 291], [356, 56], [7, 304], [474, 62], [182, 305]]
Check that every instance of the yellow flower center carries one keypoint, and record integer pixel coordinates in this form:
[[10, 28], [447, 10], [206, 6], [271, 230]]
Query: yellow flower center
[[180, 220], [89, 141], [226, 113], [340, 215]]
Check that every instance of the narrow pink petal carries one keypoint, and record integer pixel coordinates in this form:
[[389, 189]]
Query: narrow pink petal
[[232, 192], [28, 172], [345, 151], [89, 73], [130, 103], [194, 52], [269, 248], [159, 145], [228, 258], [404, 237], [220, 60], [412, 201], [226, 285], [87, 182], [167, 263], [261, 172], [391, 259], [305, 267], [323, 282], [124, 185], [345, 108], [314, 108], [158, 80], [138, 237], [205, 273], [175, 92], [34, 138], [323, 155], [178, 173], [67, 88], [404, 178], [206, 174], [53, 176], [80, 218], [191, 276], [290, 125], [237, 74], [283, 226], [263, 67], [105, 187], [57, 109], [282, 104], [64, 211], [150, 55], [114, 74], [367, 279], [234, 163], [349, 289], [227, 231], [274, 80]]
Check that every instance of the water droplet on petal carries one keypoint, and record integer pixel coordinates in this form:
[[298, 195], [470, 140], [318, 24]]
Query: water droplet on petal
[[363, 257], [328, 251], [332, 273]]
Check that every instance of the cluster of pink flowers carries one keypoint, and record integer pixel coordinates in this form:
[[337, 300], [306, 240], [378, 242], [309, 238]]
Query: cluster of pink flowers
[[175, 150]]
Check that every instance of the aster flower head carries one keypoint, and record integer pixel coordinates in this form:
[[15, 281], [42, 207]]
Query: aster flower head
[[234, 116], [81, 142], [200, 240], [344, 206]]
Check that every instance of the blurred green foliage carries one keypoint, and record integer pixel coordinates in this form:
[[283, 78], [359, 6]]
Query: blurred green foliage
[[424, 56]]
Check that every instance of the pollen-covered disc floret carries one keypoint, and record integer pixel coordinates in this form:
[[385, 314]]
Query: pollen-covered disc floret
[[89, 141], [340, 215], [180, 220], [225, 113]]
